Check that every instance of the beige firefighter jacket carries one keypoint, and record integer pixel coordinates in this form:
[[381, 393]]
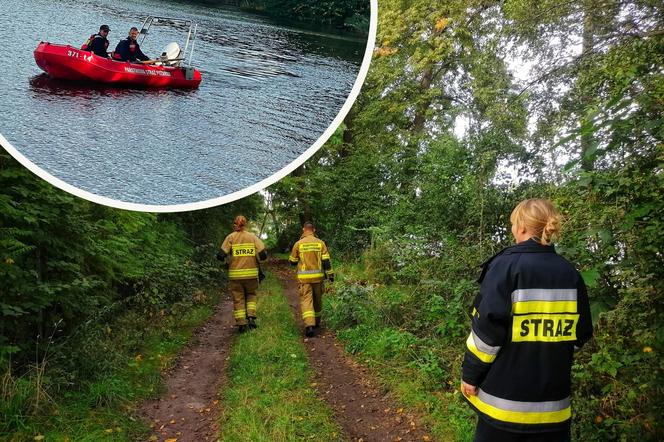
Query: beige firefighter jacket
[[312, 259], [242, 249]]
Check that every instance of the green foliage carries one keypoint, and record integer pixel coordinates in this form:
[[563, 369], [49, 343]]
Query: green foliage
[[96, 408], [353, 14], [411, 336], [83, 286], [442, 143]]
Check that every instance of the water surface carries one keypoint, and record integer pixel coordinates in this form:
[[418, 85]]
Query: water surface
[[269, 91]]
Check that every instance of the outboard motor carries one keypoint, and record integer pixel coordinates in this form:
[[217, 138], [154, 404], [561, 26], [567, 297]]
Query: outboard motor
[[171, 51]]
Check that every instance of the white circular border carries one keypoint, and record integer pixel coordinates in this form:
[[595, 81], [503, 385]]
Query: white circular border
[[364, 68]]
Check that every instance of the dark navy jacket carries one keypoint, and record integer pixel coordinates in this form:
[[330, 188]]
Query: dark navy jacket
[[129, 50], [531, 313], [99, 46]]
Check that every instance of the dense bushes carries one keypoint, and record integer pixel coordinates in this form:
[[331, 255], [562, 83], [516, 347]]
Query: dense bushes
[[449, 133], [83, 285]]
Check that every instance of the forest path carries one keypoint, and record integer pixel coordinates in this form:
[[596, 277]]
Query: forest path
[[365, 412], [189, 409]]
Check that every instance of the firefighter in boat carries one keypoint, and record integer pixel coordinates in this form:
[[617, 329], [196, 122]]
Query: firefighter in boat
[[531, 314], [129, 49], [243, 250], [312, 259], [98, 43]]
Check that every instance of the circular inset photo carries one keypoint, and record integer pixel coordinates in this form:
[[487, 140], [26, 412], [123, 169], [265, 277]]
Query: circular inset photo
[[166, 105]]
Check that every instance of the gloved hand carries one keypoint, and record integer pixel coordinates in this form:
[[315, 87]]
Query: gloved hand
[[221, 256]]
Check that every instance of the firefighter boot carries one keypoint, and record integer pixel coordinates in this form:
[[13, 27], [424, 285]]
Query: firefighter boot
[[241, 328], [309, 331], [252, 322]]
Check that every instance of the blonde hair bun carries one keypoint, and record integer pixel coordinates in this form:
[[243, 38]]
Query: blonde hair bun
[[239, 222], [539, 217]]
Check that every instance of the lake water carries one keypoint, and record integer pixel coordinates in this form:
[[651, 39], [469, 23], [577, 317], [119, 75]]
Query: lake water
[[269, 91]]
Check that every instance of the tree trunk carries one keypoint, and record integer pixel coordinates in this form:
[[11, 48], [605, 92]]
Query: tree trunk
[[588, 44]]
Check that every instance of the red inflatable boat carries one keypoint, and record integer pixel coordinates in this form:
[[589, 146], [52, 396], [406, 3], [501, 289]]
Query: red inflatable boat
[[69, 63], [172, 69]]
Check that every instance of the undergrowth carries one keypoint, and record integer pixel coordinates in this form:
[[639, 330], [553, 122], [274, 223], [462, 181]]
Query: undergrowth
[[413, 334], [410, 337], [130, 352]]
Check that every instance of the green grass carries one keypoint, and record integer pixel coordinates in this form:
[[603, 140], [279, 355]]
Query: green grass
[[269, 396], [100, 410], [379, 325]]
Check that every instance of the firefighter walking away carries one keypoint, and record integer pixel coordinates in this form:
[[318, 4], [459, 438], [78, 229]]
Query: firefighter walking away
[[243, 250], [312, 259]]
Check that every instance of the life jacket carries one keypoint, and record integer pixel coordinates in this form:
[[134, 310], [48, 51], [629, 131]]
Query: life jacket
[[86, 45]]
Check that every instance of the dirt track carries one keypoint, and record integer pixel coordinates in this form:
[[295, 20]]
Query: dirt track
[[189, 410], [365, 412]]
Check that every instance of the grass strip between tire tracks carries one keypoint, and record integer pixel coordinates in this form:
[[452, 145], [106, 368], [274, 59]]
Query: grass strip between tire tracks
[[269, 395]]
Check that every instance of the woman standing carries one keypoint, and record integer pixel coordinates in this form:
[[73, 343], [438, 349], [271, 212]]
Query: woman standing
[[244, 250], [532, 312]]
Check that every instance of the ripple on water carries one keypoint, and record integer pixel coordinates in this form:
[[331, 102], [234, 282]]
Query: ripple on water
[[268, 93]]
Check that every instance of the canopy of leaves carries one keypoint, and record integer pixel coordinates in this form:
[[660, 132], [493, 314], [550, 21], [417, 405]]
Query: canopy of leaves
[[471, 106]]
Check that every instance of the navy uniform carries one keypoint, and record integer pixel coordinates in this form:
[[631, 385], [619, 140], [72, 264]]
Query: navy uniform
[[97, 43], [532, 312], [129, 50]]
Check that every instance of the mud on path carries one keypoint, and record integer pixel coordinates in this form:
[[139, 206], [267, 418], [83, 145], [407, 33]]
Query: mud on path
[[189, 410], [365, 412]]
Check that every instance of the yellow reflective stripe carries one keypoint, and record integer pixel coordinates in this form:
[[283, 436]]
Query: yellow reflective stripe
[[239, 314], [544, 307], [293, 259], [251, 270], [311, 247], [309, 275], [242, 272], [251, 306], [544, 327], [482, 356], [325, 256], [308, 314], [521, 417]]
